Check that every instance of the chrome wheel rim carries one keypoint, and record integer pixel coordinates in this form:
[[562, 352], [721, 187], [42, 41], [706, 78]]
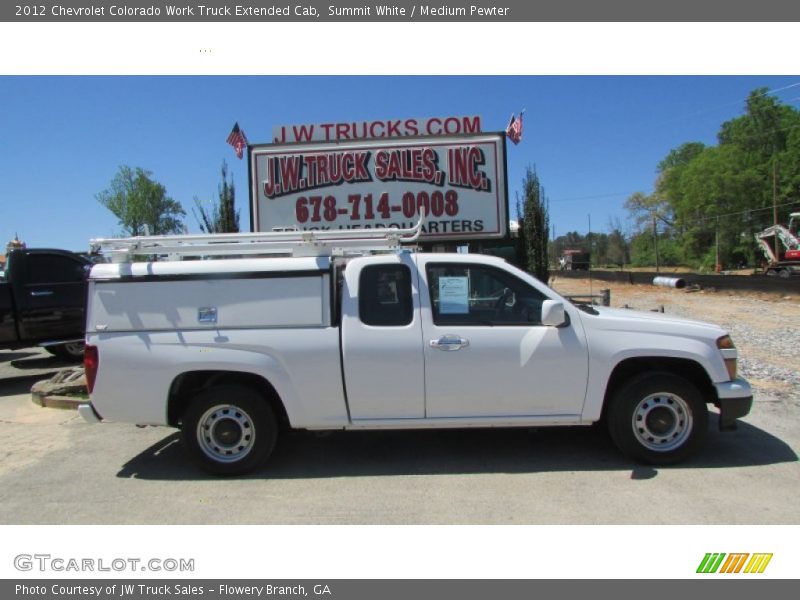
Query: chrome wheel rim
[[74, 349], [225, 433], [662, 422]]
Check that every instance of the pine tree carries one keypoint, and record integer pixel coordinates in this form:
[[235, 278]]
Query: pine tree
[[535, 226], [223, 216]]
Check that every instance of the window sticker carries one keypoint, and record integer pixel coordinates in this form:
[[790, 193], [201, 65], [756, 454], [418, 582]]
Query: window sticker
[[454, 295]]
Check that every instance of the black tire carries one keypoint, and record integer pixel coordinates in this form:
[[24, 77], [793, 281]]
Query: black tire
[[658, 418], [72, 352], [229, 429]]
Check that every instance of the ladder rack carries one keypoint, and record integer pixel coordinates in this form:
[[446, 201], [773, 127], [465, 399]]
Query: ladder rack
[[336, 242]]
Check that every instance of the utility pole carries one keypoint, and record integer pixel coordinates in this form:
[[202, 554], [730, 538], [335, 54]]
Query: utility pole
[[717, 264], [589, 236], [655, 240], [775, 203]]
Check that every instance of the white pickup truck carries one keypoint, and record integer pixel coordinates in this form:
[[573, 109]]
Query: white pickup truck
[[329, 333]]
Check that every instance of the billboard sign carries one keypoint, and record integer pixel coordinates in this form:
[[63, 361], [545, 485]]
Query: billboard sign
[[458, 182]]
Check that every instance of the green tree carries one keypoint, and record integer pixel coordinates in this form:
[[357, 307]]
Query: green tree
[[223, 216], [521, 246], [598, 242], [618, 252], [763, 130], [711, 197], [141, 204], [535, 226]]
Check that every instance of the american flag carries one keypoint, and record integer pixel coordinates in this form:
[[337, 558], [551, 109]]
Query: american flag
[[514, 128], [238, 140]]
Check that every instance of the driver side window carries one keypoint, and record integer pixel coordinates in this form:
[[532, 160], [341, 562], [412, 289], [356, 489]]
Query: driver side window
[[463, 294]]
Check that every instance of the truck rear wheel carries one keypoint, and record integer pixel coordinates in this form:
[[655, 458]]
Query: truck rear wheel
[[72, 351], [229, 429], [658, 418]]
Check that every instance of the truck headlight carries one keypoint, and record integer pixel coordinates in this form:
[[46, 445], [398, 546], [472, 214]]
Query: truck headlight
[[729, 354]]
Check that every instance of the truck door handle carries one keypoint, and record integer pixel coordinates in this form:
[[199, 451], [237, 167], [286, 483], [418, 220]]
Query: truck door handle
[[38, 293], [449, 343]]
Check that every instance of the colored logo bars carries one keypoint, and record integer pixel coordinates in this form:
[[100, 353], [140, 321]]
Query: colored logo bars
[[734, 563]]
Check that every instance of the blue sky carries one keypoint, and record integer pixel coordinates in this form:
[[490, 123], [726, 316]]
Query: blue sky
[[593, 140]]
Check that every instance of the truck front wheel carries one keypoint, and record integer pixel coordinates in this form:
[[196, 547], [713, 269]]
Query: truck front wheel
[[229, 429], [658, 418]]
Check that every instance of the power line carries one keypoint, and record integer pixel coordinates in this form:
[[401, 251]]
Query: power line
[[762, 134], [731, 214], [727, 104], [579, 198], [619, 142], [743, 212], [733, 141], [780, 89]]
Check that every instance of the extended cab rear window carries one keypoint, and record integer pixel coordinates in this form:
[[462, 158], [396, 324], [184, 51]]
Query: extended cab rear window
[[385, 296]]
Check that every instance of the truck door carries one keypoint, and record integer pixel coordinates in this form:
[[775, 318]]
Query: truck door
[[382, 338], [486, 352], [8, 327], [51, 300]]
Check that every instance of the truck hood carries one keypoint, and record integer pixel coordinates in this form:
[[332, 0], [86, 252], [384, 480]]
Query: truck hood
[[626, 320]]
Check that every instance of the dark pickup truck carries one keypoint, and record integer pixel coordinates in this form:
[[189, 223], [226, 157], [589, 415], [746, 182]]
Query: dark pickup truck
[[43, 301]]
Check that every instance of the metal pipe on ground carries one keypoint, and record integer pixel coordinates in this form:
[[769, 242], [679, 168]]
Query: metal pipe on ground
[[673, 282]]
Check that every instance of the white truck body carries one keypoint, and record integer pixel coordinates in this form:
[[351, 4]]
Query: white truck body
[[395, 340]]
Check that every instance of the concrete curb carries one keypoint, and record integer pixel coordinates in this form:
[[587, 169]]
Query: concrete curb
[[67, 402], [66, 389]]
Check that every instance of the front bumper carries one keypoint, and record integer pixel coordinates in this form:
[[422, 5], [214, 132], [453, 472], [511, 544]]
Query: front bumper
[[734, 400]]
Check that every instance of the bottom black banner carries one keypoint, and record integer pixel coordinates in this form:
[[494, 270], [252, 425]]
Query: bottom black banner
[[394, 589]]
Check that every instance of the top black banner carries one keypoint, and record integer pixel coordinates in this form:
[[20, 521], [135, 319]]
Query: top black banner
[[476, 11]]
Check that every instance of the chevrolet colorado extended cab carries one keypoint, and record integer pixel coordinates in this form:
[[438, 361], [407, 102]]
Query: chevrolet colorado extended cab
[[333, 334]]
